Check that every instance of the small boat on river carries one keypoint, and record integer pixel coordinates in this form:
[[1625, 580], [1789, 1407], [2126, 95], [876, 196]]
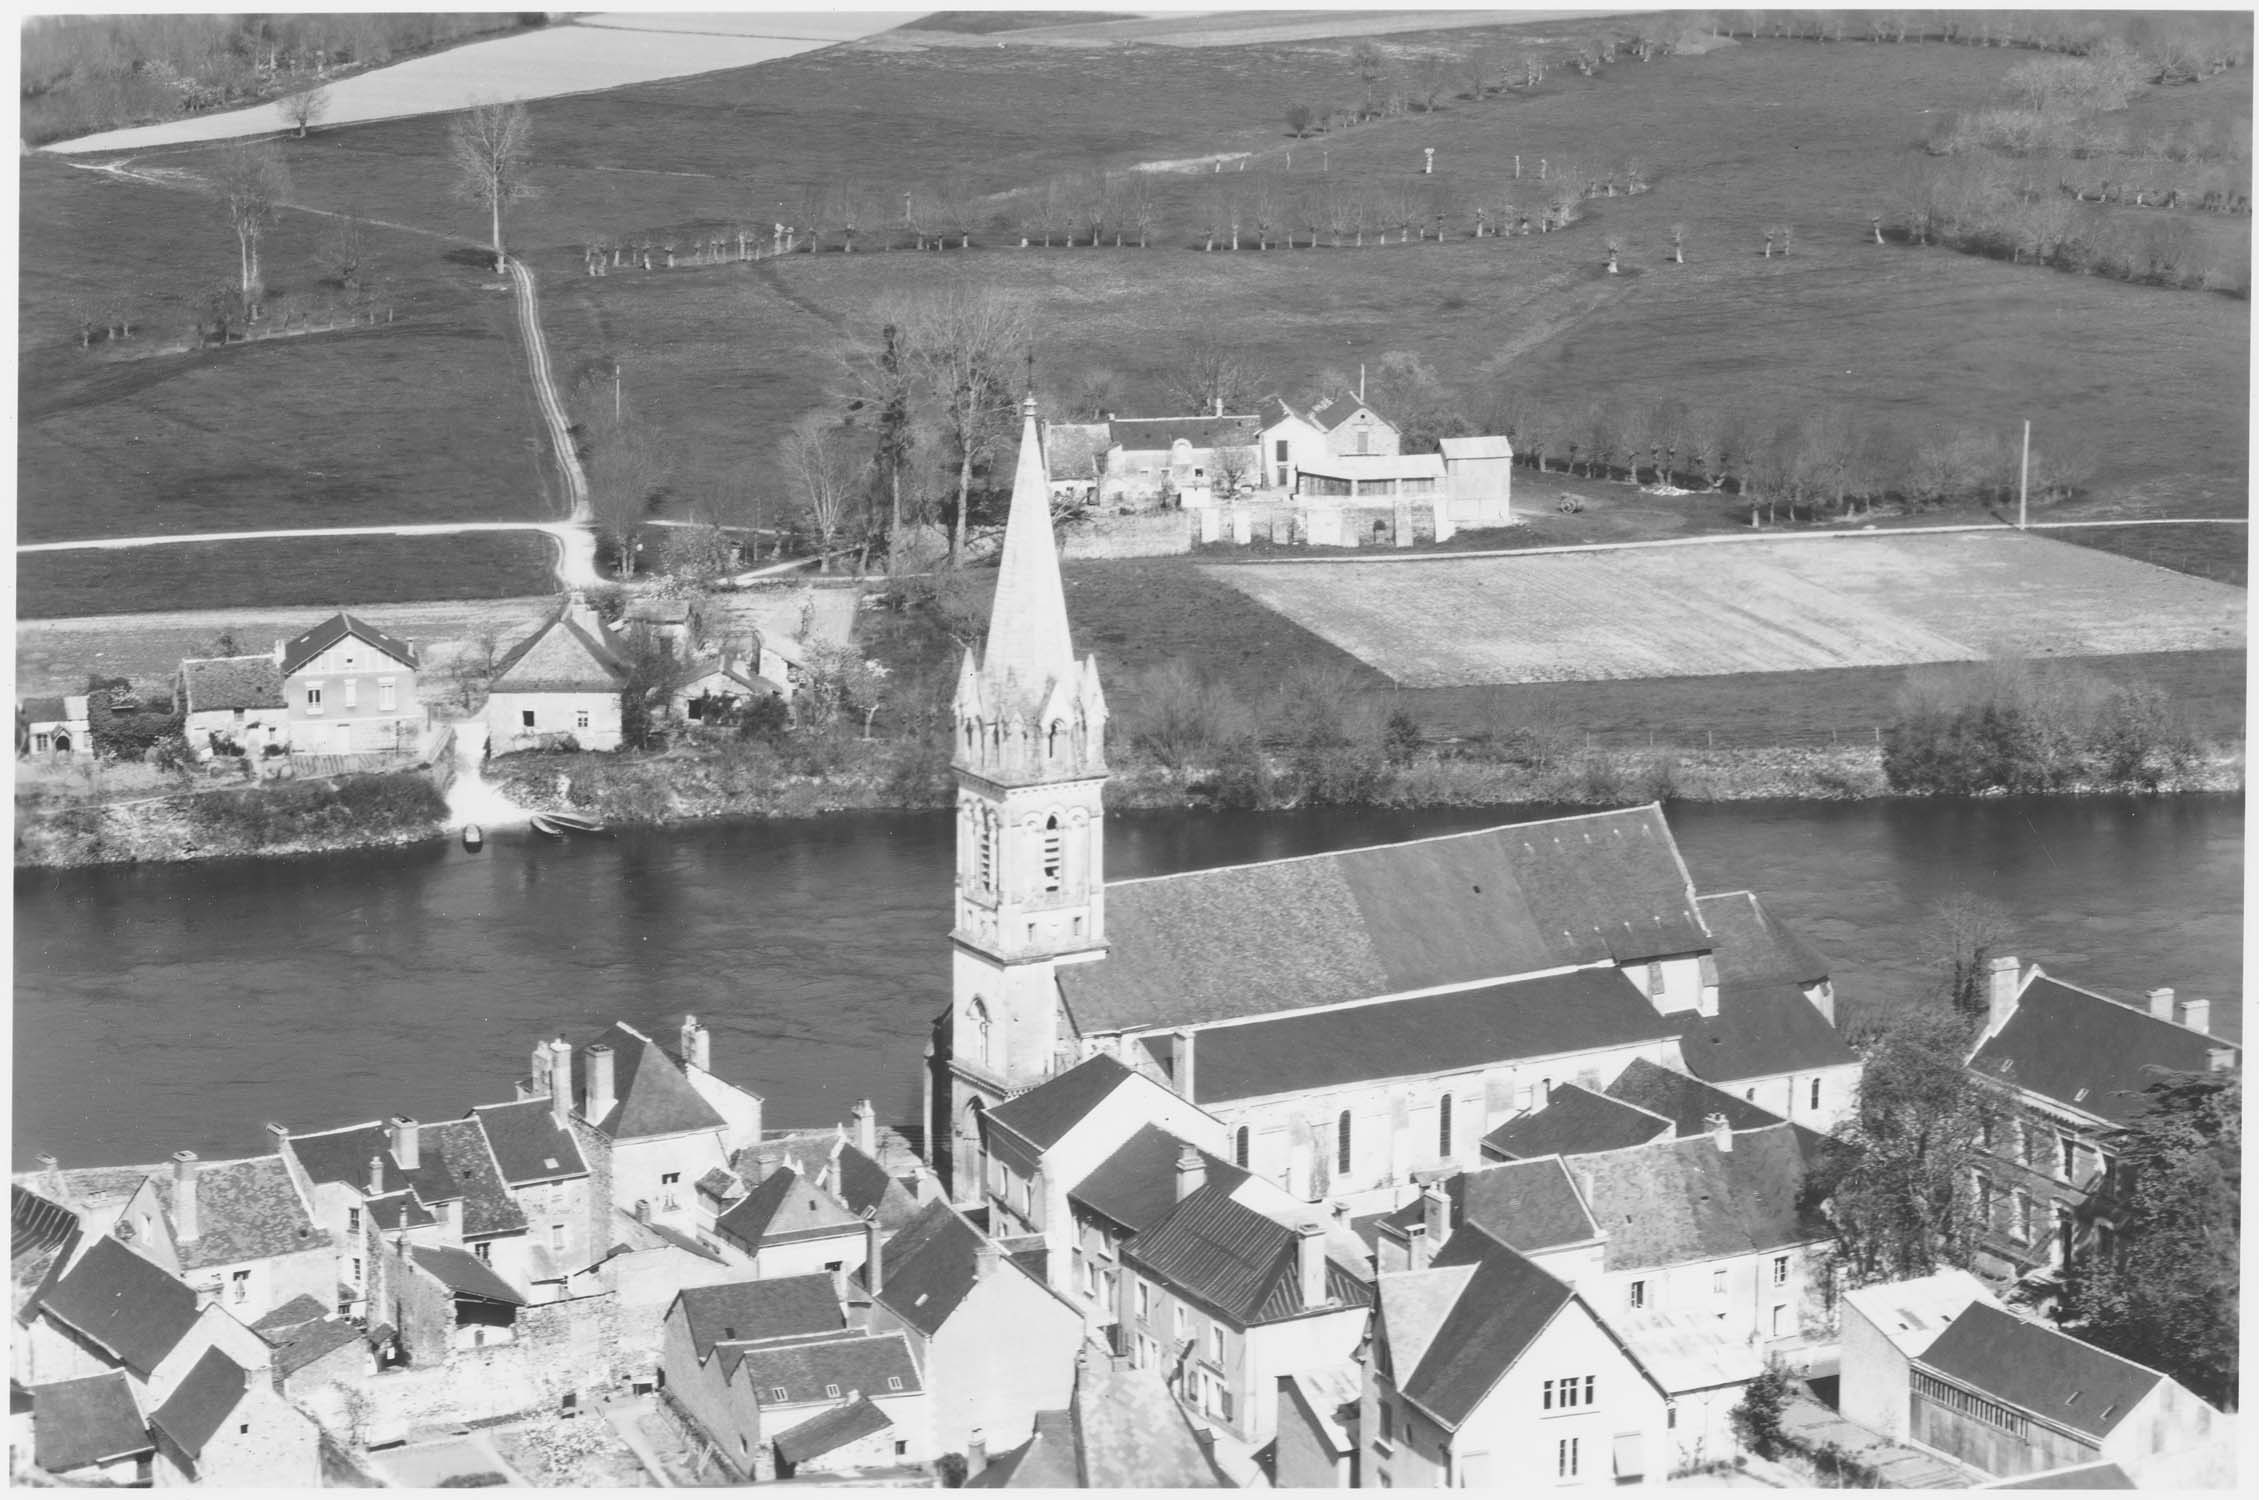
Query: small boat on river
[[542, 824], [473, 837], [576, 823]]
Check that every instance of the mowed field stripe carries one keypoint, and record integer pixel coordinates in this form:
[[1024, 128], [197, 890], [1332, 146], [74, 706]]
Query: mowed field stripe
[[1895, 600]]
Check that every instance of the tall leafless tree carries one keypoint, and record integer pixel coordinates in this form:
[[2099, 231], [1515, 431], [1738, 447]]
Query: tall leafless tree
[[818, 457], [491, 148], [304, 109], [964, 342], [253, 183], [1210, 375]]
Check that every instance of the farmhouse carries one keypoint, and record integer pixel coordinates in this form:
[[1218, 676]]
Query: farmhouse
[[1288, 441], [232, 700], [1194, 460], [562, 682], [350, 689], [1351, 428]]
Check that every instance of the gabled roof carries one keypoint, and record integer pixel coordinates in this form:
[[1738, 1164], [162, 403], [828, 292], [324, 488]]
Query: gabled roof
[[2087, 1052], [1338, 410], [86, 1421], [1573, 1121], [1051, 1110], [1585, 1010], [804, 1368], [2039, 1370], [201, 1402], [1530, 1206], [225, 682], [1496, 903], [1132, 1433], [313, 1341], [465, 1274], [330, 632], [1048, 1461], [751, 1311], [1273, 411], [453, 1161], [1074, 450], [1913, 1313], [343, 1156], [42, 710], [529, 1147], [929, 1267], [1752, 947], [1412, 1305], [37, 1226], [1760, 1031], [1139, 1182], [828, 1430], [128, 1305], [864, 1182], [786, 1207], [1235, 1260], [280, 1322], [1684, 1200], [562, 656], [1684, 1100], [402, 1210], [1154, 434], [1502, 1306], [246, 1210], [652, 1097], [1453, 448]]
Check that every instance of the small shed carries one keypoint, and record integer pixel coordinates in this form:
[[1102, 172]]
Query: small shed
[[1478, 479], [54, 728]]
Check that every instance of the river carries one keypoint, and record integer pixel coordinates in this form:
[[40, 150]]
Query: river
[[174, 1006]]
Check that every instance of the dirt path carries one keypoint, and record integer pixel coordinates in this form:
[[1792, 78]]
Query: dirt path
[[546, 393]]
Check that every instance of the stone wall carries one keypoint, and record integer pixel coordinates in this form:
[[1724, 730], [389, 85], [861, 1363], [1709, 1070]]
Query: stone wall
[[1162, 534]]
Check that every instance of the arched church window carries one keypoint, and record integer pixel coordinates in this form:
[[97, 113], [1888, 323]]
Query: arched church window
[[979, 1016], [1050, 856], [1242, 1147], [1053, 739], [1446, 1124], [1344, 1142]]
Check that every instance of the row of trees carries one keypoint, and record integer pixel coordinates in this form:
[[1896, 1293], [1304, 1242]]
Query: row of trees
[[2173, 48], [2017, 727]]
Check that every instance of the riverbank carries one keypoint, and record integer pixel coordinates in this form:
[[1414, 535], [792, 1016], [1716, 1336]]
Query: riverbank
[[55, 831]]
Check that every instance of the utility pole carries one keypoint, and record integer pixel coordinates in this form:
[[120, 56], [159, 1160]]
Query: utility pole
[[617, 393], [2023, 473]]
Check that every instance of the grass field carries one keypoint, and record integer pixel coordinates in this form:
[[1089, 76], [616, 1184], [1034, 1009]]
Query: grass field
[[1761, 606]]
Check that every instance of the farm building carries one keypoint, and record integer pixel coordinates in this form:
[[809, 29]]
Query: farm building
[[564, 680], [1353, 429], [1149, 460], [54, 728], [1288, 440], [232, 700], [1397, 476], [1477, 479]]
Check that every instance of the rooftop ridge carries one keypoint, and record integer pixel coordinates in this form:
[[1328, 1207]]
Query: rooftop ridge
[[2136, 1008]]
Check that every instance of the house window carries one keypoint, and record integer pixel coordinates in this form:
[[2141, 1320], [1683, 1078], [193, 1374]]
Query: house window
[[1635, 1293], [668, 1182], [1446, 1124], [902, 1447], [1218, 1346], [1360, 440], [1572, 1391], [526, 718], [2023, 1217], [1815, 1093], [354, 1219], [558, 1238], [314, 698], [1242, 1147], [1721, 1283], [356, 1279], [41, 743], [1140, 1300], [1670, 1416], [484, 1251], [1568, 1458], [350, 685], [1049, 863], [581, 718], [896, 1383], [1776, 1321], [1179, 1322], [385, 694], [777, 1393], [239, 1286], [1281, 450], [1655, 979], [1383, 1423], [1344, 1141], [1780, 1270]]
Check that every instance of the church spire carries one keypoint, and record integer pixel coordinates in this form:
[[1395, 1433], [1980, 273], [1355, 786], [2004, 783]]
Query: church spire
[[1028, 650]]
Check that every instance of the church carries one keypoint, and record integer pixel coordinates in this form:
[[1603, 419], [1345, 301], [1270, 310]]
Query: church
[[1359, 1021]]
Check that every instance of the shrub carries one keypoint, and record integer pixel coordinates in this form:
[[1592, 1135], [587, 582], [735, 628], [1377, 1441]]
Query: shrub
[[1244, 778], [764, 718], [1758, 1417], [610, 600], [1600, 780], [1403, 737], [1661, 779], [2017, 728], [1180, 716]]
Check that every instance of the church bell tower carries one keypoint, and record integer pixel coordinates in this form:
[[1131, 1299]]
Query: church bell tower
[[1028, 761]]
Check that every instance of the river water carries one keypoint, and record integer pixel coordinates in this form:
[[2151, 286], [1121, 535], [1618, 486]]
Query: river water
[[177, 1006]]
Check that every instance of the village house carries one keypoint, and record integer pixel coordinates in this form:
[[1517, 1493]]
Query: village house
[[1486, 1372], [91, 1431], [1288, 441], [1773, 1034], [232, 701], [226, 1425], [107, 1308], [350, 689], [1886, 1326], [1122, 1430], [2066, 1070], [54, 728], [791, 1225], [1644, 1103], [1531, 1206], [541, 1166], [562, 682], [1350, 428], [1076, 455], [705, 1331], [721, 686], [876, 1172], [1190, 461]]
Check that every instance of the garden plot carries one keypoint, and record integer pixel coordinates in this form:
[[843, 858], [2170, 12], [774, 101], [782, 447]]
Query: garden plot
[[1759, 606]]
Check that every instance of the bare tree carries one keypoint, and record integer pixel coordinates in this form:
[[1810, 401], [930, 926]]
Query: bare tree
[[1477, 69], [1677, 232], [628, 472], [1433, 75], [963, 341], [1266, 211], [1140, 203], [345, 252], [959, 206], [819, 460], [490, 147], [306, 108], [1230, 469], [253, 183], [1210, 375]]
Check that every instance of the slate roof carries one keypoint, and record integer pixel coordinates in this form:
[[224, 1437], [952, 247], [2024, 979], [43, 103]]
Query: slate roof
[[1530, 1206], [1752, 947], [929, 1267], [38, 1229], [400, 1210], [2040, 1370], [465, 1274], [1575, 1120], [1074, 450], [1760, 1031], [1048, 1461], [1132, 1433], [1683, 1200], [1273, 410], [1458, 909], [2087, 1052], [861, 1181], [1051, 1110], [561, 657], [1139, 1182], [529, 1148], [1338, 410], [313, 1342], [201, 1402], [803, 1368], [744, 1311], [330, 632], [786, 1207], [246, 1210], [652, 1097], [1154, 434], [1234, 1260], [1683, 1099], [1452, 448], [1502, 1307], [1582, 1011], [86, 1421], [128, 1305], [343, 1156], [224, 682], [42, 710], [829, 1430], [454, 1162]]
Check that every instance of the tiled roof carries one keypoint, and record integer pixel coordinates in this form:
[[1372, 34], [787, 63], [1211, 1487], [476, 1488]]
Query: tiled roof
[[804, 1368], [281, 1321], [1752, 947], [2086, 1051], [783, 1307], [1530, 1206], [1273, 410], [1760, 1031], [1502, 1308], [246, 1210], [561, 657], [783, 1208], [1452, 448], [225, 682], [929, 1267], [2040, 1370], [1139, 1182], [1132, 1433], [313, 1342], [343, 1156], [465, 1274], [1684, 1200], [1338, 410], [330, 632], [1234, 1260], [86, 1421], [652, 1097], [201, 1402], [1575, 1120], [1458, 909], [1583, 1011], [528, 1146], [454, 1162], [1683, 1099], [863, 1182], [828, 1430], [402, 1210], [42, 710], [1048, 1461], [128, 1305], [1048, 1112], [1074, 449], [1154, 434]]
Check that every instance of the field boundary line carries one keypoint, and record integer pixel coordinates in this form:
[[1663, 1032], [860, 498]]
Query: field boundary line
[[556, 529]]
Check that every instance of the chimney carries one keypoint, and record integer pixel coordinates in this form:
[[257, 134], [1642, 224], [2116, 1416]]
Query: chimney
[[873, 1267], [1438, 1215], [986, 1259], [644, 1210], [277, 653], [452, 1214], [2161, 1003], [404, 1142], [51, 1178], [561, 1082], [2193, 1015], [600, 1102], [1419, 1247], [377, 1176], [185, 1223], [978, 1453], [1183, 1062], [1717, 1125], [2220, 1059], [538, 1073], [2004, 989], [692, 1044], [867, 1133], [1312, 1267], [1189, 1174]]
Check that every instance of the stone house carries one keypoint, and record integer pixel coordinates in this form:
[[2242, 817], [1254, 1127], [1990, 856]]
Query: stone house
[[54, 728], [1288, 441], [226, 1425], [722, 684], [564, 681], [350, 689], [568, 1212], [1478, 473], [232, 700], [90, 1431], [876, 1172], [2066, 1070], [1533, 1207], [1131, 1191], [1190, 460], [1123, 1430], [1773, 1035], [243, 1235], [1351, 428], [1076, 458], [792, 1225], [1886, 1326], [1484, 1371], [1317, 1429]]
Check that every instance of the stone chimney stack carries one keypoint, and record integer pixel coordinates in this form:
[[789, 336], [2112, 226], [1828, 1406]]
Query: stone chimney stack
[[873, 1267], [1183, 1063], [1189, 1174], [404, 1142], [692, 1044], [185, 1222], [1717, 1125], [978, 1453], [2161, 1004], [2004, 989], [2193, 1015], [986, 1259], [561, 1082], [1312, 1266], [1438, 1214], [538, 1072], [600, 1102], [868, 1132], [376, 1176], [51, 1178], [1419, 1247]]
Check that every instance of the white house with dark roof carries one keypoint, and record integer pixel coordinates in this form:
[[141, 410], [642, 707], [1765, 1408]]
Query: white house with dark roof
[[790, 1224], [350, 689], [54, 728], [564, 681], [1773, 1037], [226, 1425], [1288, 440], [1883, 1328]]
